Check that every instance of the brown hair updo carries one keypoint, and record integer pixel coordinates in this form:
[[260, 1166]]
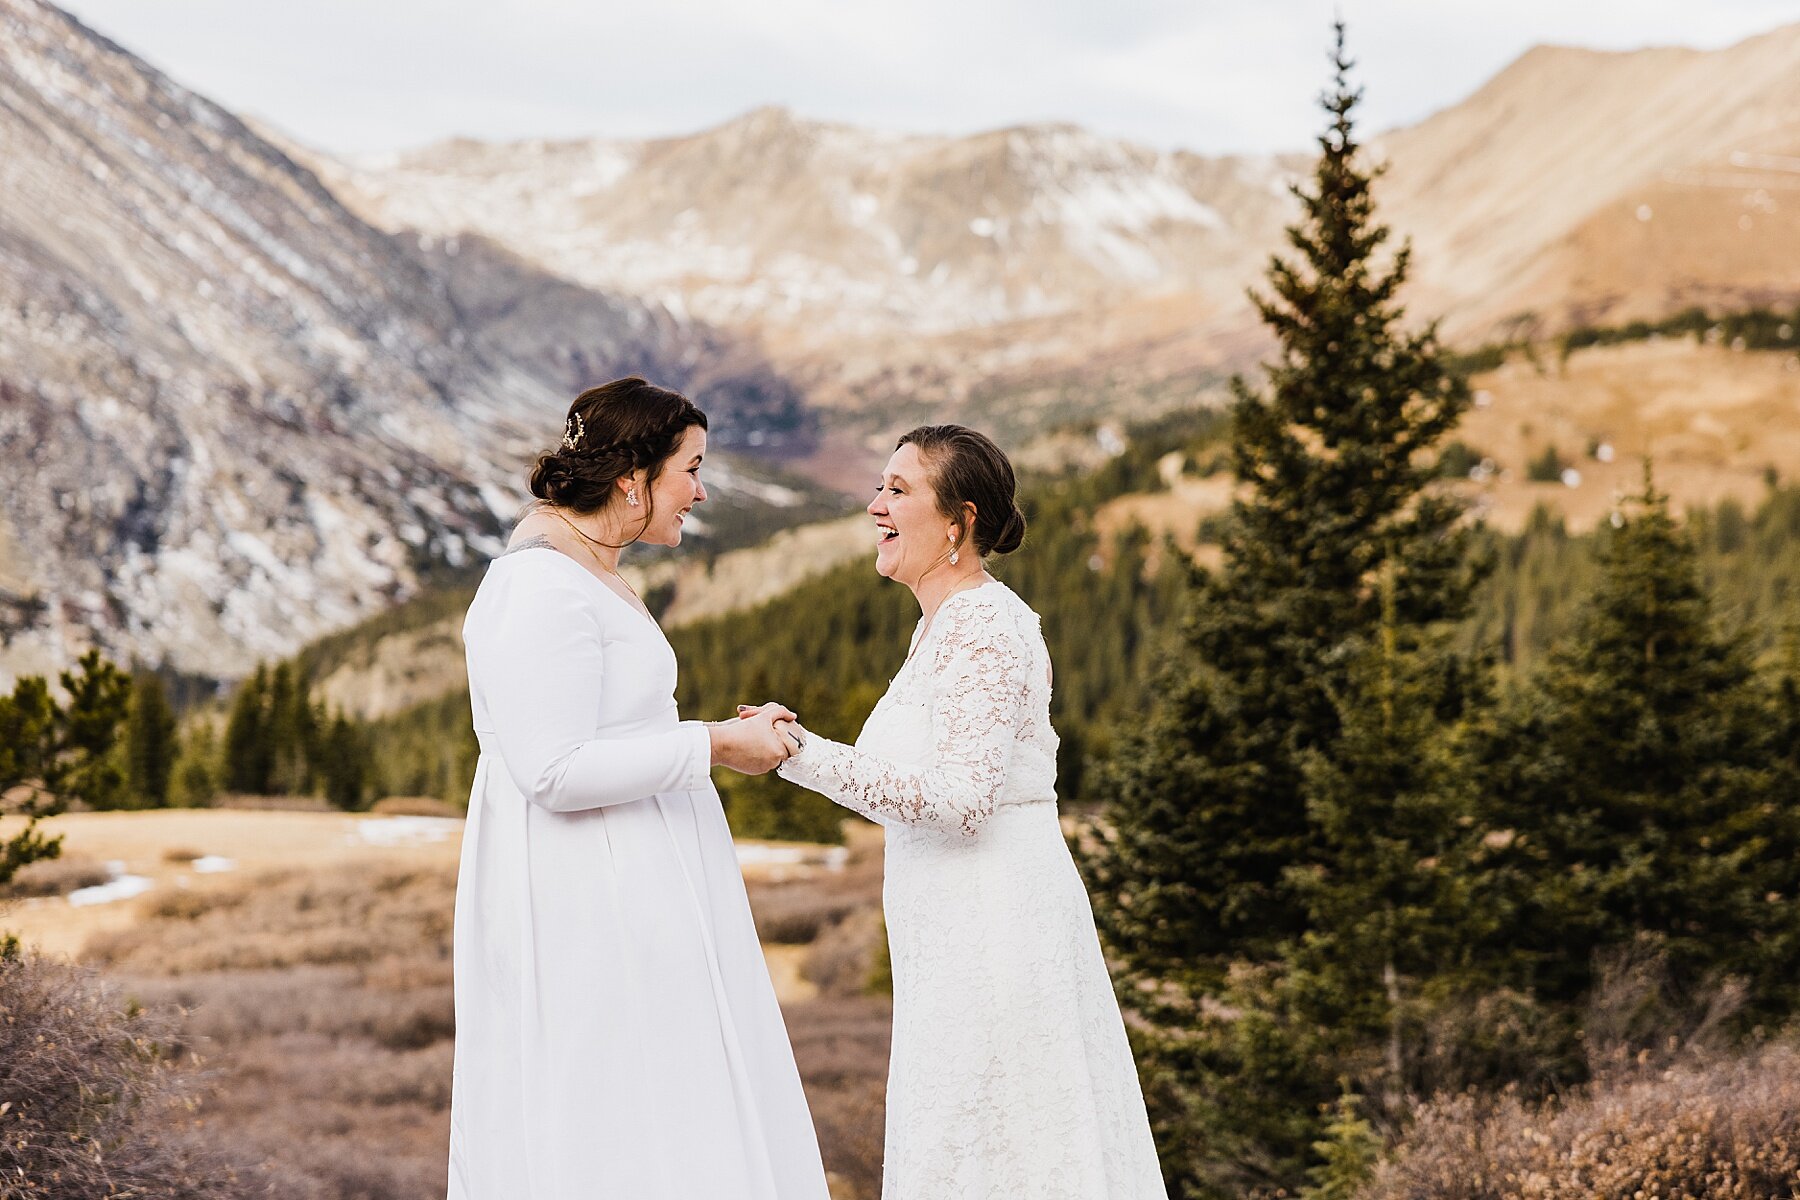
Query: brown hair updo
[[611, 431], [967, 468]]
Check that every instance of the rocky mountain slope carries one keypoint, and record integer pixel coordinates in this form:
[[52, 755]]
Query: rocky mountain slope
[[801, 226], [235, 415], [1575, 186]]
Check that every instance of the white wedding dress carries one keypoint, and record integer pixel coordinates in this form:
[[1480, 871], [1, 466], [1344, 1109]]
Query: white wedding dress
[[1011, 1077], [617, 1036]]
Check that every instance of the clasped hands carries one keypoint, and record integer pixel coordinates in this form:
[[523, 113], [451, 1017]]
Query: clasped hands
[[760, 739]]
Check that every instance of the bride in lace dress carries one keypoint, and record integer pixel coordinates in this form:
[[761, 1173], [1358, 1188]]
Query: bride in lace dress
[[1011, 1077]]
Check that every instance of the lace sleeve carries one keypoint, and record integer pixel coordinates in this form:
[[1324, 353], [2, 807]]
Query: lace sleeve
[[978, 690]]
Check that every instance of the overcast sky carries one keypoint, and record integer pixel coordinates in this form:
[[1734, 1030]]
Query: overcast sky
[[1207, 75]]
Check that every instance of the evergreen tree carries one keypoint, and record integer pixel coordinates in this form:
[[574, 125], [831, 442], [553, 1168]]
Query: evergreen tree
[[347, 767], [99, 698], [1394, 911], [1207, 834], [54, 753], [289, 731], [151, 746], [1638, 788], [249, 747], [1347, 1154], [28, 736], [196, 773]]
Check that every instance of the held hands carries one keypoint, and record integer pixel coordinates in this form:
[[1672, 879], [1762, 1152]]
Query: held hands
[[758, 741], [787, 724]]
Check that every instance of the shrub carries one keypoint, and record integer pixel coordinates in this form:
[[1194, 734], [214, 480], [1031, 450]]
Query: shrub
[[1724, 1129], [91, 1103], [1457, 459], [842, 959], [1547, 467], [54, 877]]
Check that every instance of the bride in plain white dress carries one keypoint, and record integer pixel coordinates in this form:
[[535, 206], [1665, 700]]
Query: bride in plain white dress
[[1011, 1077], [617, 1036]]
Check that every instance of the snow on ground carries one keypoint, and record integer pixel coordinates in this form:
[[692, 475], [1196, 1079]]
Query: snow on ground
[[403, 831], [120, 887]]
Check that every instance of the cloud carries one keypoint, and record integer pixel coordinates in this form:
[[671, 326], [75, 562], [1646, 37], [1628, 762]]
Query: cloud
[[1215, 76]]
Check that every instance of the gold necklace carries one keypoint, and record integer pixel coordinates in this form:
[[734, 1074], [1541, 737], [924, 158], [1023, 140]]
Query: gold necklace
[[588, 542]]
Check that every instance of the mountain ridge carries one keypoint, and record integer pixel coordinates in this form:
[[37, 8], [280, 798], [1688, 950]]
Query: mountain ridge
[[243, 416]]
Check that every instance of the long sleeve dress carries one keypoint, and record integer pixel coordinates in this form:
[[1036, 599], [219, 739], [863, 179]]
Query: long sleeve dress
[[1011, 1076], [617, 1035]]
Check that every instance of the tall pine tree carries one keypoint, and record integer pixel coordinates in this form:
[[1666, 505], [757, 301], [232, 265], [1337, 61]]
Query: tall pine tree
[[52, 753], [1640, 787], [1207, 833], [150, 742], [1396, 914], [249, 742], [99, 699]]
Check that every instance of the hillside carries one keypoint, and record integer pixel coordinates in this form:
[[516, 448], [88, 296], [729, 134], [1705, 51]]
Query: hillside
[[244, 417], [1582, 187], [1050, 273]]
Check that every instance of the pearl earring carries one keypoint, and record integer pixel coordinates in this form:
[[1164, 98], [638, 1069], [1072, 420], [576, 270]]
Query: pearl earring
[[954, 554], [631, 497]]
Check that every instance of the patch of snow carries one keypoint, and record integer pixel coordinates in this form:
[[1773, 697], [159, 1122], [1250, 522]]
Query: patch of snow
[[404, 831], [778, 859], [213, 864], [120, 887]]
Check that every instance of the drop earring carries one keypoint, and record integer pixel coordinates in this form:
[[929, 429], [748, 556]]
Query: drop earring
[[631, 497], [954, 553]]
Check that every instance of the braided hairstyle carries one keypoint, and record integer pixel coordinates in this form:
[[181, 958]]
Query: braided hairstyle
[[965, 467], [611, 431]]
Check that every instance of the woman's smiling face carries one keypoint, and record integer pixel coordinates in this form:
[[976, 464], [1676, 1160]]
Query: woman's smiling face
[[914, 535], [676, 490]]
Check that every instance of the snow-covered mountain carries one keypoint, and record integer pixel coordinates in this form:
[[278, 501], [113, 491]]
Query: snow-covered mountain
[[1576, 185], [233, 416], [249, 393], [777, 222]]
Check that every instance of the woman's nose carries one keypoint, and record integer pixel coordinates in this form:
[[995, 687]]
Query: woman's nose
[[700, 493]]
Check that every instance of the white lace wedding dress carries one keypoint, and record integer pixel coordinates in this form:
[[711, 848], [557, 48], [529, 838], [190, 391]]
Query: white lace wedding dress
[[1011, 1078]]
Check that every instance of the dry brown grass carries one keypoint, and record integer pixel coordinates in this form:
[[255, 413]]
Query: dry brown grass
[[1721, 1130], [841, 1047], [322, 1000], [795, 911], [841, 1036], [415, 806], [319, 998], [92, 1103], [54, 877]]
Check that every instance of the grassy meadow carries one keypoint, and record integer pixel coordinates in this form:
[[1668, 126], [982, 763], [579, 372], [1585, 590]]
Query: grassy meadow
[[308, 986]]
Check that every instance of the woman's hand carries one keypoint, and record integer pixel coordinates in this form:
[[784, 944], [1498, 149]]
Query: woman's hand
[[752, 744], [795, 734]]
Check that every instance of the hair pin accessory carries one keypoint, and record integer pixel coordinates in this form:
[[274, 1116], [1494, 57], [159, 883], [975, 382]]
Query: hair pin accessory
[[573, 431]]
